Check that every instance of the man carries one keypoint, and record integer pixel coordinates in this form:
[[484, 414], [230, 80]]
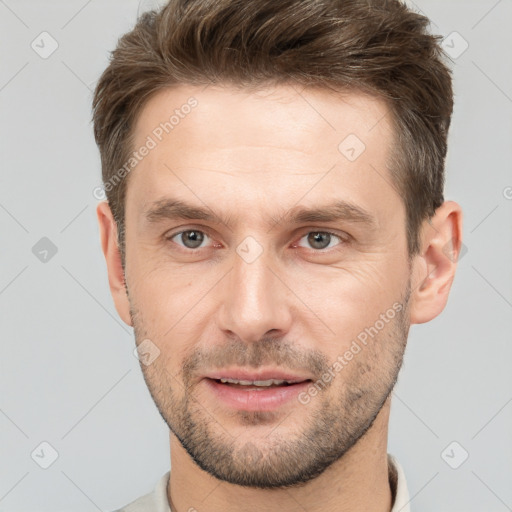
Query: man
[[275, 223]]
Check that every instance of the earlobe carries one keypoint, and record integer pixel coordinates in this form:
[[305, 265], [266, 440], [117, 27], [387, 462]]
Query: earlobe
[[110, 248], [434, 268]]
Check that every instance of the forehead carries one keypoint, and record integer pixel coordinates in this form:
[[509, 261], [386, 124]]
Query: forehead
[[265, 145], [288, 115]]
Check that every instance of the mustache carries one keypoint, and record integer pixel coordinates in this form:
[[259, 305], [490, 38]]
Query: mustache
[[269, 351]]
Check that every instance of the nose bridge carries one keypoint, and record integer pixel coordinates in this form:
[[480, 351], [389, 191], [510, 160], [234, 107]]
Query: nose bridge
[[254, 299], [252, 282]]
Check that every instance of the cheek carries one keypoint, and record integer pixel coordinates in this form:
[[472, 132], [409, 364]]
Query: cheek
[[161, 309], [366, 366], [163, 287], [352, 297]]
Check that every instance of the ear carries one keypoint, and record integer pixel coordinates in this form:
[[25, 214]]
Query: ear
[[108, 235], [434, 267]]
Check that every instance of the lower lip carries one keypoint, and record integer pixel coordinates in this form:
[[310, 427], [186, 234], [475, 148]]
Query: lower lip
[[266, 399]]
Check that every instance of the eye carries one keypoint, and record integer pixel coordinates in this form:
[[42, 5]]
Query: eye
[[190, 239], [193, 239], [321, 240]]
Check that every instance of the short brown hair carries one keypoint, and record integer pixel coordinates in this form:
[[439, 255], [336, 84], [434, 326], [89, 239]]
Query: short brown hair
[[380, 47]]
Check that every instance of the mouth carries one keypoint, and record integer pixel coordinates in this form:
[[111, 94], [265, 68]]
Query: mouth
[[259, 384], [243, 376], [256, 392]]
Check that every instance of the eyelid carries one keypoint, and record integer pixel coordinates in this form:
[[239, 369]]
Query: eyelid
[[339, 234]]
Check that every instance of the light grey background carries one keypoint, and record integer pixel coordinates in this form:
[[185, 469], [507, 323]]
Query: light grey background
[[68, 375]]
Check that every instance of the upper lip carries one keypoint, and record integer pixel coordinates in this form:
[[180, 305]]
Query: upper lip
[[241, 374]]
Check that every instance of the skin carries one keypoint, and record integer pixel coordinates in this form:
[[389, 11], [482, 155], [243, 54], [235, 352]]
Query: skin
[[250, 157]]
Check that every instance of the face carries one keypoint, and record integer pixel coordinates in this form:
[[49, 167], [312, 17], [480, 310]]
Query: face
[[265, 243]]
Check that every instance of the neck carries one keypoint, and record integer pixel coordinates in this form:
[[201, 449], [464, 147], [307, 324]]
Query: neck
[[357, 482]]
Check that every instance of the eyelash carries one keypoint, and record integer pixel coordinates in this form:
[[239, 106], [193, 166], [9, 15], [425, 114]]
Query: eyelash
[[343, 239]]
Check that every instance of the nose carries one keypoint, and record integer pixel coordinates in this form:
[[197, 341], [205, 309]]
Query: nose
[[254, 301]]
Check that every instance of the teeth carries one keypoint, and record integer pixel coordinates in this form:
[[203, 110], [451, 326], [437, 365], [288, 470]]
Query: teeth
[[253, 382]]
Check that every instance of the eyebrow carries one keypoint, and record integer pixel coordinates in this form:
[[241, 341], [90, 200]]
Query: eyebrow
[[340, 210]]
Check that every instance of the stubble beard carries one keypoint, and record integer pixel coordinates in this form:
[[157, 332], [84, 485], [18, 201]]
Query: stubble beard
[[339, 417]]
